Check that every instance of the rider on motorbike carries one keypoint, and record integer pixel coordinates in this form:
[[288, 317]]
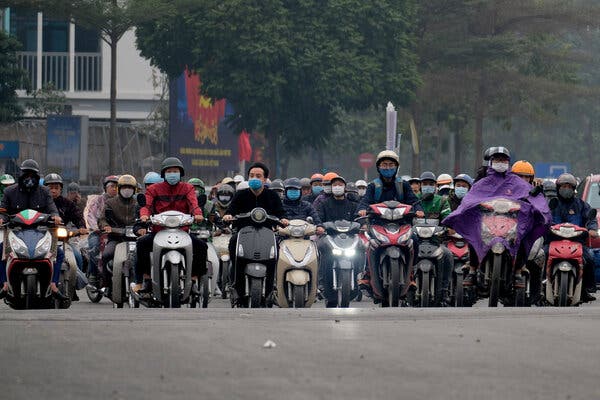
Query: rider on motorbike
[[295, 207], [29, 194], [306, 186], [326, 193], [207, 206], [361, 185], [316, 183], [576, 211], [462, 185], [151, 178], [119, 211], [5, 181], [223, 199], [444, 185], [415, 185], [352, 193], [334, 208], [277, 187], [171, 195], [257, 195]]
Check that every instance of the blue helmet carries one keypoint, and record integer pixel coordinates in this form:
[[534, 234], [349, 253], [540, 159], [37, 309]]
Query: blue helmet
[[152, 177], [464, 178]]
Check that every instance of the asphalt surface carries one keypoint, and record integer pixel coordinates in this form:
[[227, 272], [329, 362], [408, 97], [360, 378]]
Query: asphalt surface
[[93, 351]]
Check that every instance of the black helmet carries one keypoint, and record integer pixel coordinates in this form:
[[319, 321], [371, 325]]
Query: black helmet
[[351, 188], [428, 176], [171, 162], [53, 178], [224, 194], [291, 183], [277, 184], [30, 165], [73, 187]]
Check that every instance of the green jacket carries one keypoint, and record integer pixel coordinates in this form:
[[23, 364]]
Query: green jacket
[[209, 208], [437, 207]]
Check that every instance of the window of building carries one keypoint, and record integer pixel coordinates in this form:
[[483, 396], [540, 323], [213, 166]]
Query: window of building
[[86, 40], [23, 26], [55, 35]]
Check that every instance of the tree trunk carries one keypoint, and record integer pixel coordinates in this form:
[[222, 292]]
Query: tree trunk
[[272, 141], [480, 114], [112, 168]]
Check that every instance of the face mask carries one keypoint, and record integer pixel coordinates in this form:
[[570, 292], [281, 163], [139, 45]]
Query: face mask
[[126, 193], [338, 190], [566, 193], [388, 172], [293, 194], [224, 199], [317, 189], [460, 192], [255, 184], [172, 177], [29, 182], [362, 192], [327, 189], [500, 167], [428, 189]]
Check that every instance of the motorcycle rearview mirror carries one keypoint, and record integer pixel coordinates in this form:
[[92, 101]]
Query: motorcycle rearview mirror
[[310, 220], [553, 203], [141, 199]]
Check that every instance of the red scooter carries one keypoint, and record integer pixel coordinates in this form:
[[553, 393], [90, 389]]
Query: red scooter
[[460, 296]]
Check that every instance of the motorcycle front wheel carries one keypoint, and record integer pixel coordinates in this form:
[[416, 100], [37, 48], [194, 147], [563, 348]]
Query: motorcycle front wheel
[[345, 290], [563, 294], [495, 281], [255, 293]]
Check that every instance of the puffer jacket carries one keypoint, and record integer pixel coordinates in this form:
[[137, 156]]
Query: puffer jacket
[[300, 209]]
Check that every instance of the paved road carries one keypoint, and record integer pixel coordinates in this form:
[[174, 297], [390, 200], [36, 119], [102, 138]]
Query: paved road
[[96, 352]]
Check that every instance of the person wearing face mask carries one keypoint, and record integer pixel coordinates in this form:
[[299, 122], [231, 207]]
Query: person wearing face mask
[[207, 206], [119, 211], [295, 207], [170, 195], [244, 201], [326, 193], [361, 185], [352, 193], [151, 178], [223, 199], [576, 211], [28, 194], [462, 185], [5, 181], [316, 187], [336, 207], [277, 187], [306, 187]]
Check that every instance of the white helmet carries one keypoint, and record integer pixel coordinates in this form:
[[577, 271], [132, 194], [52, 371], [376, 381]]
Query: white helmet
[[360, 183], [242, 185], [387, 154], [445, 181], [238, 178]]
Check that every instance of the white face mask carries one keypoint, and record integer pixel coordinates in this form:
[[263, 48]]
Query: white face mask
[[327, 189], [338, 190], [127, 193], [362, 192], [500, 166]]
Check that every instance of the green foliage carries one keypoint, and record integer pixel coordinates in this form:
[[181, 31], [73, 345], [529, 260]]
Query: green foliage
[[11, 79], [46, 101]]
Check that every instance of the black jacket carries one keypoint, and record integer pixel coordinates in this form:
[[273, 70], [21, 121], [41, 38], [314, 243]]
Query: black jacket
[[334, 210], [16, 200], [300, 209], [245, 201], [69, 212]]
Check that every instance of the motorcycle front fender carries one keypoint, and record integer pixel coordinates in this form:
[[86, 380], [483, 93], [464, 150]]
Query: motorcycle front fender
[[344, 264], [425, 266], [256, 270], [297, 277], [173, 256]]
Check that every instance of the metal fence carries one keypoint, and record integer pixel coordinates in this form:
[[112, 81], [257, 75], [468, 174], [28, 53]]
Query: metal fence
[[88, 71]]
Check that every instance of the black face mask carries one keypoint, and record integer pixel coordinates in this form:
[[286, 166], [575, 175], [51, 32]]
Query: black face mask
[[29, 182], [202, 200]]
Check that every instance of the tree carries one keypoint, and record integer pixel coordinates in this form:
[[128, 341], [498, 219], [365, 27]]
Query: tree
[[11, 78]]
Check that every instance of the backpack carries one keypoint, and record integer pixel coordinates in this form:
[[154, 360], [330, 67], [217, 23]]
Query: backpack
[[379, 188]]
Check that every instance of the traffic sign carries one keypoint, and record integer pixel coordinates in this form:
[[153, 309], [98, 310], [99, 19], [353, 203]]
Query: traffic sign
[[366, 160], [551, 170]]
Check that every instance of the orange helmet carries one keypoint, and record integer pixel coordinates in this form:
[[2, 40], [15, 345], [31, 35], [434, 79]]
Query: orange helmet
[[523, 168], [316, 178], [329, 176]]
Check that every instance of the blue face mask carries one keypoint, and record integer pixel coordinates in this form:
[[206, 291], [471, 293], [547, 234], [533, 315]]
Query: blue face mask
[[317, 189], [255, 184], [293, 194], [428, 189], [460, 192], [172, 177], [388, 172]]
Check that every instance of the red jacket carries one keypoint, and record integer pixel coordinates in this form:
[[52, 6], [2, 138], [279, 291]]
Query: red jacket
[[162, 197]]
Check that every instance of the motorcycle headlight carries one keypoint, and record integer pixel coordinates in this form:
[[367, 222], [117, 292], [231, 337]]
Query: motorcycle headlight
[[425, 231], [43, 246], [337, 252], [18, 246], [62, 233], [350, 252]]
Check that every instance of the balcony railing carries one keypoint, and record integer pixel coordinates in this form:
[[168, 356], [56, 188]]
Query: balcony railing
[[56, 70]]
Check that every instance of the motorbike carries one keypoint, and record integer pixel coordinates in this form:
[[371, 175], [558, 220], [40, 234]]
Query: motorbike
[[256, 252], [68, 269], [460, 296], [207, 285], [564, 268], [30, 247], [297, 266], [390, 252], [122, 268], [94, 291], [344, 243], [221, 244], [498, 231], [427, 269], [171, 262]]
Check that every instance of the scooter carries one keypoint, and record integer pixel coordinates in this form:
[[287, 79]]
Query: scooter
[[297, 266], [460, 296], [344, 244], [221, 244], [122, 268], [207, 283], [427, 269], [68, 269], [564, 268], [30, 249], [390, 252], [256, 252]]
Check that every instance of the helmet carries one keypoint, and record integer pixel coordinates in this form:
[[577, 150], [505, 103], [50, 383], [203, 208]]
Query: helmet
[[338, 178], [53, 178], [486, 156], [241, 186], [277, 184], [428, 176], [152, 177], [351, 188], [225, 190], [389, 154], [7, 179], [110, 178], [73, 187], [494, 151], [316, 178], [414, 179], [523, 168], [360, 183], [328, 177], [30, 165], [444, 179], [227, 180], [291, 183], [127, 180], [196, 182], [171, 162], [465, 178], [549, 187], [305, 182], [566, 178], [238, 178]]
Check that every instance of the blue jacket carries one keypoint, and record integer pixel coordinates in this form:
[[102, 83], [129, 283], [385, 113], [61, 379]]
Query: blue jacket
[[300, 209], [574, 211], [389, 193]]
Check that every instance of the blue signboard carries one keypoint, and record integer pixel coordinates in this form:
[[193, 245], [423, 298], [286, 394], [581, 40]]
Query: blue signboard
[[551, 170], [63, 144], [9, 149]]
